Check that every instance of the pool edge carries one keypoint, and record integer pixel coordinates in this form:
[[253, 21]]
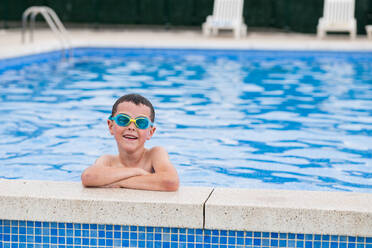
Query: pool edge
[[334, 213]]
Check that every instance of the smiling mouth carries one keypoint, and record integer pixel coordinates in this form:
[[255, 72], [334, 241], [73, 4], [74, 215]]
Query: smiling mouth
[[129, 137]]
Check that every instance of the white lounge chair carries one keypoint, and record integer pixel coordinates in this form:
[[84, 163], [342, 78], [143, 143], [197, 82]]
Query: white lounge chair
[[338, 16], [227, 14], [369, 31]]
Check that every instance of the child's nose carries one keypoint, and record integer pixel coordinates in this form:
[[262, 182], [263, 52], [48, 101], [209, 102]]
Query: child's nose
[[131, 125]]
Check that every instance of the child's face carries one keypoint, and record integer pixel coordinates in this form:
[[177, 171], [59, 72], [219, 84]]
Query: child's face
[[131, 138]]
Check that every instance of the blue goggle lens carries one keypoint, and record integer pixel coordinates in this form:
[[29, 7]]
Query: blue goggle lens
[[142, 123], [122, 120]]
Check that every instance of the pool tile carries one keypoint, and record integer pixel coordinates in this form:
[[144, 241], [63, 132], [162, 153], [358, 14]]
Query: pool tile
[[44, 234], [199, 238], [174, 237], [133, 243], [124, 235], [231, 240], [182, 238], [282, 243], [157, 236], [309, 244], [291, 243], [223, 240], [21, 230], [325, 244], [248, 241], [309, 237], [274, 235], [256, 242], [361, 239], [117, 235], [334, 238], [166, 237], [77, 226], [282, 235], [352, 239], [257, 234], [240, 241], [274, 243], [109, 242], [265, 242], [291, 235], [141, 244], [116, 228]]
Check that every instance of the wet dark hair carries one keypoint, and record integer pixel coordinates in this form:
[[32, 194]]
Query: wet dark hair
[[136, 99]]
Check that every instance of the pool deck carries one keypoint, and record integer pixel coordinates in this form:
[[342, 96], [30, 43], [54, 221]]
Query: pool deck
[[10, 40]]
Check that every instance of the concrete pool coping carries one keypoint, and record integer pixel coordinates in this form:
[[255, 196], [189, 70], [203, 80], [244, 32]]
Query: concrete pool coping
[[283, 211]]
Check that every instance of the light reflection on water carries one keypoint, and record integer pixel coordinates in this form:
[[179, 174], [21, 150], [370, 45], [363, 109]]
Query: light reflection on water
[[254, 119]]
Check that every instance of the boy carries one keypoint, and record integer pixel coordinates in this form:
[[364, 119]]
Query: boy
[[135, 167]]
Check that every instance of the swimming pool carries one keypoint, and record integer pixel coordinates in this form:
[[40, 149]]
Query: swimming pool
[[229, 118]]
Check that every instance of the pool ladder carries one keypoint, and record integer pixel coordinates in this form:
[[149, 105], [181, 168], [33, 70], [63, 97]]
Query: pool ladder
[[53, 22]]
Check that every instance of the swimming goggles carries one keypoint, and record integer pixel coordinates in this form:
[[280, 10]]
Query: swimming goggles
[[124, 120]]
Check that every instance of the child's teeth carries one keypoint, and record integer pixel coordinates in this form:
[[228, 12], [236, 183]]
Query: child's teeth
[[129, 137]]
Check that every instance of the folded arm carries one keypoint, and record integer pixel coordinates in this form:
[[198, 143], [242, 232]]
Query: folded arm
[[100, 174], [165, 177]]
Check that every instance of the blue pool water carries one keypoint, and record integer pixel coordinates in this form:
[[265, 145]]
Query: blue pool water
[[228, 118]]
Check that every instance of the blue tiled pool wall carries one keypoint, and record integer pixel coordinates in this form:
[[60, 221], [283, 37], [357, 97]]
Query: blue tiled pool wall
[[14, 233]]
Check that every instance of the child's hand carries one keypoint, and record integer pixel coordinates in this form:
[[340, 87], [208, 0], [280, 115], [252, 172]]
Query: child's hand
[[142, 172]]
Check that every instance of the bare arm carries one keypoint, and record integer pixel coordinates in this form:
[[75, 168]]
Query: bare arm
[[102, 174], [165, 177]]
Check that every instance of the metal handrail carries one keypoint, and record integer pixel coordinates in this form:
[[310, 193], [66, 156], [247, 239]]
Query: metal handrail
[[52, 20]]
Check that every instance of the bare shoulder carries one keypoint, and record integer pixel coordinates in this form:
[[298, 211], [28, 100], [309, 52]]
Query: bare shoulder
[[105, 160], [159, 158], [158, 150], [159, 154]]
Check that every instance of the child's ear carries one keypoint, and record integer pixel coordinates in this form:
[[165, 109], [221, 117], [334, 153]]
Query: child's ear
[[110, 125], [152, 131]]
